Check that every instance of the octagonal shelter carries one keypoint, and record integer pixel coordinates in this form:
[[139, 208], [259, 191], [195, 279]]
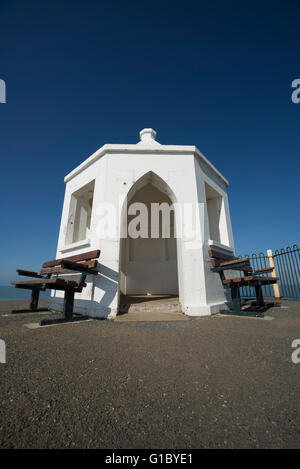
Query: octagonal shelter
[[114, 202]]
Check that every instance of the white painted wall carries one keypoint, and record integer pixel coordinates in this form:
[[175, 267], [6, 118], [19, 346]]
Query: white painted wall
[[181, 173]]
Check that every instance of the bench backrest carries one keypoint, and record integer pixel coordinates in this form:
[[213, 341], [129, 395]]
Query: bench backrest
[[218, 258], [88, 259]]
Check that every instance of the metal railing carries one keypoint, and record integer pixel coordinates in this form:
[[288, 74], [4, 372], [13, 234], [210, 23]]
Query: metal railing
[[287, 268]]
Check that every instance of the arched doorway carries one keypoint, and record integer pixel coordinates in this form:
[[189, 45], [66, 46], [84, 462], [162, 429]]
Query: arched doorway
[[148, 265]]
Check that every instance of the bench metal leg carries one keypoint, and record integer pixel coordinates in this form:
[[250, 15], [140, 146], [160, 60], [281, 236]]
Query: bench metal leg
[[35, 293], [68, 305], [259, 296], [67, 315], [260, 304], [236, 299], [34, 298], [236, 305]]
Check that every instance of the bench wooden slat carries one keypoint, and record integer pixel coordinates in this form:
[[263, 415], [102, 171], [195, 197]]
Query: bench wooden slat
[[235, 261], [250, 278], [79, 257], [218, 263], [243, 266], [221, 256], [58, 270], [247, 278], [266, 270], [28, 273], [50, 286], [77, 267], [38, 282], [50, 281], [262, 279]]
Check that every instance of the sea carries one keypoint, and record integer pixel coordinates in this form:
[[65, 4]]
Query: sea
[[11, 293]]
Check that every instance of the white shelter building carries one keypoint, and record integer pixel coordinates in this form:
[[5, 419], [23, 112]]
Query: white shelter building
[[100, 203]]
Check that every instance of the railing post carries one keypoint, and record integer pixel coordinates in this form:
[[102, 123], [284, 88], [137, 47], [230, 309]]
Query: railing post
[[273, 273]]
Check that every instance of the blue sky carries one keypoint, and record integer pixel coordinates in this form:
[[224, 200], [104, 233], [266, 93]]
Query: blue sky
[[83, 73]]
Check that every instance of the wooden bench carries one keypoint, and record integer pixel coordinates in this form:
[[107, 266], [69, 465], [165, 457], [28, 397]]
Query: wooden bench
[[84, 263], [222, 261]]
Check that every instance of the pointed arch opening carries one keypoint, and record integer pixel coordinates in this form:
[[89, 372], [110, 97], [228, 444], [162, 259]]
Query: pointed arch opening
[[148, 257]]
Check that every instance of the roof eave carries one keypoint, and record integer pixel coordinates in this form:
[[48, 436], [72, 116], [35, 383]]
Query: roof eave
[[117, 148]]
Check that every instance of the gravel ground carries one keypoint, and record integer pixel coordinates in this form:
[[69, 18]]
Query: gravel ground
[[218, 382]]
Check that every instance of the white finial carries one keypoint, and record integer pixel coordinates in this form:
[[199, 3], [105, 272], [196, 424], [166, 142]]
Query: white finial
[[147, 135]]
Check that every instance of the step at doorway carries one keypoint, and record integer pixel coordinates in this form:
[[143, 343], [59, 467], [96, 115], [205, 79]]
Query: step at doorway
[[150, 308]]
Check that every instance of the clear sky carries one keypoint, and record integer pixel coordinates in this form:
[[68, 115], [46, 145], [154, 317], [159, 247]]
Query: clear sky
[[215, 74]]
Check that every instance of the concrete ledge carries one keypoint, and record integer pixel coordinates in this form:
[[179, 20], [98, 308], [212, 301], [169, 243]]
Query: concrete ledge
[[89, 308], [204, 310], [151, 316]]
